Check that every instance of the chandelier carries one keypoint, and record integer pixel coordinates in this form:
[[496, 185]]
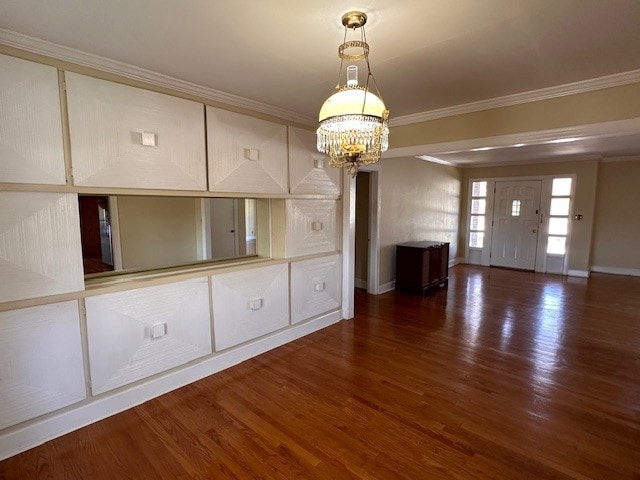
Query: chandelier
[[353, 128]]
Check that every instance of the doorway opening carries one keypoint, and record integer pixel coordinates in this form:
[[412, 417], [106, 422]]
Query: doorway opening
[[367, 230]]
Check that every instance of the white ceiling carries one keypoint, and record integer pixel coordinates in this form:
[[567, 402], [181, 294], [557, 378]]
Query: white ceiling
[[425, 55]]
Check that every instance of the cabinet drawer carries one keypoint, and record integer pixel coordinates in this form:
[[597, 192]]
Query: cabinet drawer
[[40, 252], [141, 332], [128, 137], [309, 170], [312, 227], [246, 154], [315, 287], [30, 123], [249, 304], [41, 367]]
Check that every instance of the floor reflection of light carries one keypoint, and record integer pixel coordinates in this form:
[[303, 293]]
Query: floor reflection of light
[[507, 328], [473, 309], [547, 341]]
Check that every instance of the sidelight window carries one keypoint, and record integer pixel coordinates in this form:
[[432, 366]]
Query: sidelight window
[[477, 219], [559, 216]]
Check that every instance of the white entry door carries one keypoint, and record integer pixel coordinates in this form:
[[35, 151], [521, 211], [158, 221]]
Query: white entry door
[[515, 224]]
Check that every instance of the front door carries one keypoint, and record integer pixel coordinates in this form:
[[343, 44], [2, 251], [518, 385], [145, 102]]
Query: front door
[[515, 224]]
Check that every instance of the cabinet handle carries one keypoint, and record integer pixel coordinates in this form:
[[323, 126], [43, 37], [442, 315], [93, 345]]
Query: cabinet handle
[[158, 330], [255, 304], [316, 226], [147, 139], [318, 163], [318, 287], [252, 154]]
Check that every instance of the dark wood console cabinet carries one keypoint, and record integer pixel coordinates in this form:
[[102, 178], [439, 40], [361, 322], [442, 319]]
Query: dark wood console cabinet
[[421, 266]]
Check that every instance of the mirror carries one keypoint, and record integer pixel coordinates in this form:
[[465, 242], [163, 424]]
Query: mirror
[[127, 233]]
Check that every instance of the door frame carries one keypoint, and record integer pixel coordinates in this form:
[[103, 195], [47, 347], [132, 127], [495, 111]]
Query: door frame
[[538, 214], [481, 256], [373, 254], [349, 237]]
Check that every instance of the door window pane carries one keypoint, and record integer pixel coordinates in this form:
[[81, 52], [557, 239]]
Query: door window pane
[[479, 189], [559, 206], [556, 245], [477, 222], [561, 187], [558, 226], [476, 239], [515, 208], [478, 206]]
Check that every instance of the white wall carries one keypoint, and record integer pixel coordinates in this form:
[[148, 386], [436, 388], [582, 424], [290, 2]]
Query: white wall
[[419, 201]]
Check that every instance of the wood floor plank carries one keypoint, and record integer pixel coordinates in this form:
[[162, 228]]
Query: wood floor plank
[[502, 375]]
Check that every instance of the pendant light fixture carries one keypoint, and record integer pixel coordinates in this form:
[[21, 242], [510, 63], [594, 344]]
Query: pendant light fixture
[[353, 128]]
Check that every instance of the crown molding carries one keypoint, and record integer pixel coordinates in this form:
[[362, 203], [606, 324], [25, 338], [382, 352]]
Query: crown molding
[[583, 86], [59, 52]]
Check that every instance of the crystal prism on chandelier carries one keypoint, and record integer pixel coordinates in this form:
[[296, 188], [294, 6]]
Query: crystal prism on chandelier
[[353, 128]]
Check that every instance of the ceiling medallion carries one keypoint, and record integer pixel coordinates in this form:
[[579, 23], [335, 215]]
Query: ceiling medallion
[[353, 122]]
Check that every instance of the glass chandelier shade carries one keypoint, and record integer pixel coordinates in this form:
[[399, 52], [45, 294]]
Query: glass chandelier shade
[[353, 127]]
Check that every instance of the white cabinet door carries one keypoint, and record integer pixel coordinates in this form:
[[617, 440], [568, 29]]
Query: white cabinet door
[[315, 287], [40, 252], [312, 227], [309, 170], [31, 148], [141, 332], [249, 304], [128, 137], [41, 367], [246, 154]]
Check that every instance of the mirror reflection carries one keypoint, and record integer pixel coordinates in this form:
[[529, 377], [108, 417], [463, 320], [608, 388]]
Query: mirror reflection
[[133, 233]]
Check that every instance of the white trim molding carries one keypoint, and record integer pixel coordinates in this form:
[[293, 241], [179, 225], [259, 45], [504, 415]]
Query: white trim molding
[[66, 54], [578, 273], [583, 86], [456, 261], [632, 272], [387, 287]]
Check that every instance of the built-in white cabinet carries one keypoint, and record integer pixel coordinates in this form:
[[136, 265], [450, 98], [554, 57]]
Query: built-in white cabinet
[[141, 332], [249, 303], [246, 154], [309, 170], [129, 137], [40, 252], [311, 226], [41, 367], [315, 287], [31, 148]]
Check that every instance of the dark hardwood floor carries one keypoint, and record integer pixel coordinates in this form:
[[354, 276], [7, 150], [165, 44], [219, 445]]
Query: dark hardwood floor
[[503, 375]]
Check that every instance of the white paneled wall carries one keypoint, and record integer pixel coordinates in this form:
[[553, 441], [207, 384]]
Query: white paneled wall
[[249, 304], [147, 340], [40, 252], [246, 154], [41, 366], [141, 332], [315, 287], [309, 170], [30, 123], [312, 226], [123, 136]]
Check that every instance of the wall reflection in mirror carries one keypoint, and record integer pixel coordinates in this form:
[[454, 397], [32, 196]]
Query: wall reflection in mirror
[[127, 233]]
